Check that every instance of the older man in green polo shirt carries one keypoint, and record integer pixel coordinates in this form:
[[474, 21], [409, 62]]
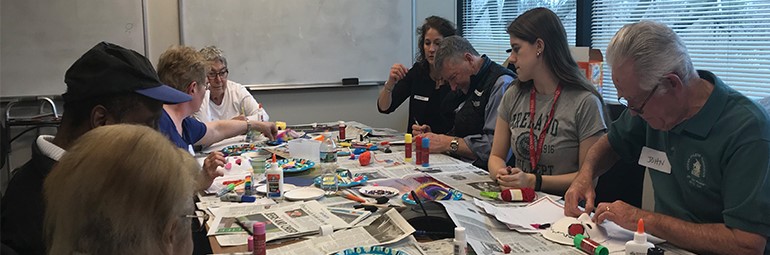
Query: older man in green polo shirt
[[707, 148]]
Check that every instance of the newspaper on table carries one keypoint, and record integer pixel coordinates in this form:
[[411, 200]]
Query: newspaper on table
[[469, 180], [486, 235], [387, 229], [292, 220]]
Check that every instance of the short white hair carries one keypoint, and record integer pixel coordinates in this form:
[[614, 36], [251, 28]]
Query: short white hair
[[654, 49]]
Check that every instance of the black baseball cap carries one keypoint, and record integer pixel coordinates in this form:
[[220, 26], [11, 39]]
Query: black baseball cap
[[108, 69]]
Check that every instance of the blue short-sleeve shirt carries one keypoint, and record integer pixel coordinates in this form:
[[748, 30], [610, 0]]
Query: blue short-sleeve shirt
[[192, 130]]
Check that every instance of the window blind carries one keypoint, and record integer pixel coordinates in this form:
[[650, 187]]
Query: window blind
[[485, 21], [730, 38]]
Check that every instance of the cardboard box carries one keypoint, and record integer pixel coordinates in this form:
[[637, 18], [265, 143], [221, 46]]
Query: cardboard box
[[590, 62]]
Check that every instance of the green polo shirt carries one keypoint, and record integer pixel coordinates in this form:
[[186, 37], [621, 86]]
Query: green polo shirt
[[720, 161]]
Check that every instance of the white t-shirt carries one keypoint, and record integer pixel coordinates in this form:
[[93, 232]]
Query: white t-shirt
[[236, 99]]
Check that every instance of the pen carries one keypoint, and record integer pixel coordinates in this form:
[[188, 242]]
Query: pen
[[240, 224], [416, 122]]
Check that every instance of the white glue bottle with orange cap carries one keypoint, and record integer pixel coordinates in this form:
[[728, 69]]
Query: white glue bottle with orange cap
[[274, 177], [639, 245]]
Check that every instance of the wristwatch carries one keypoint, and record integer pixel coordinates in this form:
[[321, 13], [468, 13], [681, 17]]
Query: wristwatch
[[454, 145]]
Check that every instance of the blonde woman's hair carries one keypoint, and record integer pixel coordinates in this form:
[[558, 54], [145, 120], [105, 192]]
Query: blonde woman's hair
[[116, 191], [180, 65]]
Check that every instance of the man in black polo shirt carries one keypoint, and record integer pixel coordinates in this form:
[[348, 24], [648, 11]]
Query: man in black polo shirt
[[478, 84]]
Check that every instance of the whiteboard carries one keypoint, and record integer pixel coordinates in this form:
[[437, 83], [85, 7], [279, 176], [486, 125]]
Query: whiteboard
[[280, 44], [39, 40]]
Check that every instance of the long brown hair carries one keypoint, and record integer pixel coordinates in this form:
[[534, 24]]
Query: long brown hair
[[442, 25], [542, 23]]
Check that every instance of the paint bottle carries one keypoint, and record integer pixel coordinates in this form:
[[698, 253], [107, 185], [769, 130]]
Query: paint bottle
[[274, 180], [639, 245], [260, 247], [250, 243], [418, 150], [459, 243], [589, 246], [408, 147], [342, 130], [426, 152]]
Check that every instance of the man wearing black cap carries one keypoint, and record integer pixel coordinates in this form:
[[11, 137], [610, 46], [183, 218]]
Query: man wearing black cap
[[107, 85]]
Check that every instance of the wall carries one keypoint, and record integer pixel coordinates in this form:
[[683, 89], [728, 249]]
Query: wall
[[306, 105], [291, 106]]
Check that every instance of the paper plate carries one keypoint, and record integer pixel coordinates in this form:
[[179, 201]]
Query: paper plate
[[378, 191], [286, 187], [563, 230], [304, 193], [372, 250], [236, 150], [363, 180], [293, 165]]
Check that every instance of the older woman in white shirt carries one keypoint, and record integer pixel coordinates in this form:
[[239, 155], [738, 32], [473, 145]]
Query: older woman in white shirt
[[226, 99]]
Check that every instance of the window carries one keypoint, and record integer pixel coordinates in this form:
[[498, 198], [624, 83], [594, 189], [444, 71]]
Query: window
[[730, 38], [484, 22]]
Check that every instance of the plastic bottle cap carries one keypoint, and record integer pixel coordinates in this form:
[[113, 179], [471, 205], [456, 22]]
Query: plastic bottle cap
[[640, 226], [259, 228], [408, 138], [460, 234]]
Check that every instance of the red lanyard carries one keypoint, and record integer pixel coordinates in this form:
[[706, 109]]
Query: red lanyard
[[534, 153]]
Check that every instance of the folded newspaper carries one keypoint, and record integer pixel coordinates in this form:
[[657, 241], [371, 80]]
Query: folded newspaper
[[281, 222], [387, 229]]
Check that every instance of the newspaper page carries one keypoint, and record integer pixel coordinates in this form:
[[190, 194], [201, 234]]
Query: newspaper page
[[387, 229], [470, 183], [486, 235], [281, 222]]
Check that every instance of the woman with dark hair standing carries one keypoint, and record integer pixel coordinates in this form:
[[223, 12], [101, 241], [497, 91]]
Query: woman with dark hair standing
[[421, 84], [551, 115]]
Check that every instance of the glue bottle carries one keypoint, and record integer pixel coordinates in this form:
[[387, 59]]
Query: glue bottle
[[460, 244], [408, 147], [418, 150], [274, 177], [639, 245]]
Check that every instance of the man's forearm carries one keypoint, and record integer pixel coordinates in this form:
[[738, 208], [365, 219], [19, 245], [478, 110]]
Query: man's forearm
[[703, 238]]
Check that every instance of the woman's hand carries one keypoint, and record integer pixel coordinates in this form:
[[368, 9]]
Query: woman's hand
[[420, 129], [514, 178], [397, 72]]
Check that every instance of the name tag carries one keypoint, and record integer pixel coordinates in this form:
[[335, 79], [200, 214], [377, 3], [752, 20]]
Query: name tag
[[422, 98], [654, 159]]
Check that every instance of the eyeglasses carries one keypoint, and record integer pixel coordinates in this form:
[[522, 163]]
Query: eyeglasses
[[202, 219], [214, 75], [639, 110]]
